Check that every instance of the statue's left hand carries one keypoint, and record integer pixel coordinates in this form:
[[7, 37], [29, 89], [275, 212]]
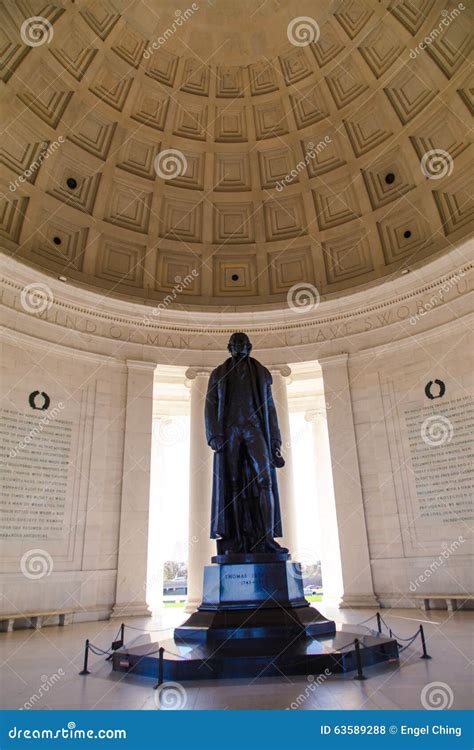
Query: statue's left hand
[[278, 460], [217, 444]]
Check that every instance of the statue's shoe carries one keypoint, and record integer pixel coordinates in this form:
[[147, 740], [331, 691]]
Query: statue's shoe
[[272, 546]]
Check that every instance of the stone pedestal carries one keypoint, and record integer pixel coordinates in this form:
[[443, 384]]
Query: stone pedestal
[[253, 600], [254, 621]]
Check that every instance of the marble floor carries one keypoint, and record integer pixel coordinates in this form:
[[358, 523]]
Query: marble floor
[[39, 670]]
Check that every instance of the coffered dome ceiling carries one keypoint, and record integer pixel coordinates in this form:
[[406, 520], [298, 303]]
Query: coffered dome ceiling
[[332, 164]]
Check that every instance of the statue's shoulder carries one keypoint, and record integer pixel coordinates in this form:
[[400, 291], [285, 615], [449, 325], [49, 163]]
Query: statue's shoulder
[[261, 369], [220, 370]]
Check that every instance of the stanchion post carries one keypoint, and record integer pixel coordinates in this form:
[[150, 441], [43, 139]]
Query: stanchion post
[[425, 654], [160, 665], [360, 675], [161, 652], [86, 659], [379, 623], [118, 643]]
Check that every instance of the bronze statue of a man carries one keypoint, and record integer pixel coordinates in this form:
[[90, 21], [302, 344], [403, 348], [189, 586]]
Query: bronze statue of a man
[[242, 430]]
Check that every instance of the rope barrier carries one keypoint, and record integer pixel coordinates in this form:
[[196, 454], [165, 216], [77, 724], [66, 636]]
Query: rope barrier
[[119, 642], [97, 650], [409, 644], [144, 630], [392, 632]]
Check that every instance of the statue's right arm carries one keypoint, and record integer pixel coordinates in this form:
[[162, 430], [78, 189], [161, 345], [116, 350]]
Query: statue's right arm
[[211, 410]]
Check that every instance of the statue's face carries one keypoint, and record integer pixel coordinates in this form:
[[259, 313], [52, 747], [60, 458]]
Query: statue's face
[[239, 345]]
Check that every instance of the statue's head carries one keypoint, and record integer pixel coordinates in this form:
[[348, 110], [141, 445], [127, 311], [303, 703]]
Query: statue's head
[[239, 345]]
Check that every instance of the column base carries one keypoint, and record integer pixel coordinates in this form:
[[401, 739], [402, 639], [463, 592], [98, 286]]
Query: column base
[[353, 601], [131, 609], [191, 605]]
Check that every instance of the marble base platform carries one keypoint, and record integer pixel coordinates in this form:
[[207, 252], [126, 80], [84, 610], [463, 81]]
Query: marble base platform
[[258, 657], [255, 620]]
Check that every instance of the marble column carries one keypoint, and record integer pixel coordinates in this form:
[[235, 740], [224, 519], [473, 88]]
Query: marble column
[[156, 561], [355, 570], [201, 547], [130, 596], [327, 527], [285, 476]]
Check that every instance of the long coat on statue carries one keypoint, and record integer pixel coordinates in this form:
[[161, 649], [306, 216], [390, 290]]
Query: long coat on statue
[[215, 417]]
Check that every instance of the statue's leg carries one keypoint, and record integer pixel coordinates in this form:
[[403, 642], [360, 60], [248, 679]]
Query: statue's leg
[[260, 458], [233, 455]]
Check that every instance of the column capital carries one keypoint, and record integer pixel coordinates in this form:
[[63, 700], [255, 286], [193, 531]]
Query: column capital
[[311, 415], [335, 360], [138, 364], [283, 370], [195, 372]]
